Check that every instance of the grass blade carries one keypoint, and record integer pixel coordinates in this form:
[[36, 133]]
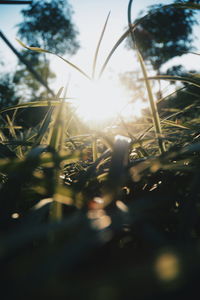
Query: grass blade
[[98, 47], [30, 104], [46, 51], [154, 110], [13, 134], [176, 78], [133, 27], [153, 106]]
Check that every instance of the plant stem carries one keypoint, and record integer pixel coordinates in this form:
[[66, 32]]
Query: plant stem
[[154, 111], [153, 106], [94, 149]]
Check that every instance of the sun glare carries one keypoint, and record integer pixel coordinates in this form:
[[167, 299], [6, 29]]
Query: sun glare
[[104, 100]]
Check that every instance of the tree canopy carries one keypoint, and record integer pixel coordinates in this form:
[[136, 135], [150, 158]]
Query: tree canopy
[[49, 24], [46, 24], [8, 95], [165, 34], [29, 87]]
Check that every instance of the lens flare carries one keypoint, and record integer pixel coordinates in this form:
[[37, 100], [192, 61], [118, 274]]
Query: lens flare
[[104, 100]]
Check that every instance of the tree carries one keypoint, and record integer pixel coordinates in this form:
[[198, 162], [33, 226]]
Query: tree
[[46, 24], [29, 88], [185, 101], [8, 92], [165, 34]]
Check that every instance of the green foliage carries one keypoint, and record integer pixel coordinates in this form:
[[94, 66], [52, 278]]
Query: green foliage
[[186, 100], [46, 19], [42, 21], [8, 91], [156, 47], [41, 50], [29, 88]]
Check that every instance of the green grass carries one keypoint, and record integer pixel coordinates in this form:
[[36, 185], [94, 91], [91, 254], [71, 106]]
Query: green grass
[[92, 215]]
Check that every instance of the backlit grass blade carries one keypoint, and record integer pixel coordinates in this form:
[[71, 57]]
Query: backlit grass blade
[[47, 119], [46, 51], [44, 127], [195, 53], [13, 134], [30, 104], [56, 142], [94, 149], [154, 111], [174, 124], [56, 122], [171, 94], [11, 127], [139, 149], [153, 106], [120, 40], [98, 47], [186, 79], [130, 23], [133, 27]]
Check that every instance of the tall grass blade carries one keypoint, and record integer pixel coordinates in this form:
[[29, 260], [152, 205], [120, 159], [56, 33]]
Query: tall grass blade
[[27, 64], [94, 149], [56, 142], [56, 127], [13, 134], [46, 51], [133, 27], [186, 79], [190, 52], [142, 152], [174, 124], [30, 104], [154, 111], [98, 47], [44, 127], [171, 94]]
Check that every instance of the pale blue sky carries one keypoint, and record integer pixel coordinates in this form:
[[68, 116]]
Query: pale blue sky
[[89, 17]]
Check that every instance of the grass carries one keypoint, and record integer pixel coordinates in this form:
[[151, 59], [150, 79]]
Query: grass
[[98, 215]]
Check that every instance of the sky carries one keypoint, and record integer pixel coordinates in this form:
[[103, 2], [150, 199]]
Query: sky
[[89, 17]]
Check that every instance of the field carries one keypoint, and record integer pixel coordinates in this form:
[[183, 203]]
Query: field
[[107, 212]]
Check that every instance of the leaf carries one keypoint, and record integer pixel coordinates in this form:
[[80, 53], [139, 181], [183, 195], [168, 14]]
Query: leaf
[[134, 26], [154, 110], [46, 51], [176, 78], [31, 104], [195, 53], [172, 123], [98, 46], [37, 49], [18, 151]]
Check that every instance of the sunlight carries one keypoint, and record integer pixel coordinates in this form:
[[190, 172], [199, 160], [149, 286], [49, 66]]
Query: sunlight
[[102, 101]]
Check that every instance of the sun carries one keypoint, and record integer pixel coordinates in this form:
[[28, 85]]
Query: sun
[[101, 101]]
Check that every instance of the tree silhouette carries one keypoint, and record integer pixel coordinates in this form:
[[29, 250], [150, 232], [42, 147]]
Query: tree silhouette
[[165, 34], [29, 88], [48, 24], [8, 91]]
